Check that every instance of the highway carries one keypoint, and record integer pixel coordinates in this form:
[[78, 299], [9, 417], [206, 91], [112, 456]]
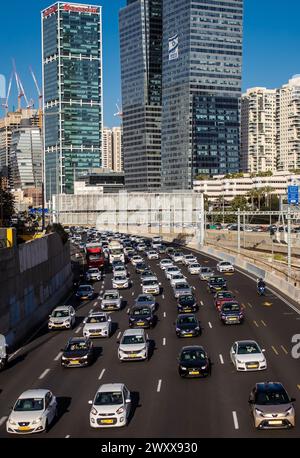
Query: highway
[[164, 405]]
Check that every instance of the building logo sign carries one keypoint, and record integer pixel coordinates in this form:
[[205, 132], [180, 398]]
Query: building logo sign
[[51, 10], [173, 47], [80, 9]]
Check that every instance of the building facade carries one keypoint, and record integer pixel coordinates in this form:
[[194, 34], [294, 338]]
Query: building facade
[[107, 158], [140, 25], [73, 102], [201, 86], [258, 130], [112, 149]]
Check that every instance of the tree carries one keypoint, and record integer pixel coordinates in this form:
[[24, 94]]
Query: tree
[[7, 207], [58, 228], [239, 202]]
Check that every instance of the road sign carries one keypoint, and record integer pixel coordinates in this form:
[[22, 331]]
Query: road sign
[[293, 195]]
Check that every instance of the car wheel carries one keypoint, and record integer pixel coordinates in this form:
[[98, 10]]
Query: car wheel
[[46, 426]]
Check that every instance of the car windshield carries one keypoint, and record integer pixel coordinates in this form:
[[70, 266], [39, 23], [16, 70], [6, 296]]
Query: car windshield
[[132, 340], [110, 296], [75, 346], [181, 286], [141, 311], [231, 307], [187, 320], [60, 313], [120, 278], [96, 319], [225, 264], [195, 265], [248, 348], [85, 289], [119, 268], [149, 282], [172, 269], [272, 397], [218, 280], [93, 271], [141, 265], [109, 398], [144, 299], [29, 404], [205, 270], [225, 295], [186, 300], [192, 355]]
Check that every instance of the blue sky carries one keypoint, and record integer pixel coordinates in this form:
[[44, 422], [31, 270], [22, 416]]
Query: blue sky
[[271, 45]]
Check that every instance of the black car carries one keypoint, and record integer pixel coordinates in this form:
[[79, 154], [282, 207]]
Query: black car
[[231, 313], [141, 317], [78, 352], [117, 263], [216, 284], [141, 267], [161, 249], [193, 361], [187, 304], [187, 325]]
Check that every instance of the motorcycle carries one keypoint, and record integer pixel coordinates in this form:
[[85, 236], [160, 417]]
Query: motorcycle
[[261, 290]]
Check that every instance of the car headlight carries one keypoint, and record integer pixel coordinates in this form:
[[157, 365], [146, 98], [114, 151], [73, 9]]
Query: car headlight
[[259, 412], [120, 410], [239, 362], [63, 358], [177, 329], [204, 367], [289, 411], [183, 368], [38, 420], [94, 411], [197, 328], [12, 422]]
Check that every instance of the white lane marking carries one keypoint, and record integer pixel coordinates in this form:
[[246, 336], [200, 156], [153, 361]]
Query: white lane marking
[[235, 420], [210, 325], [221, 359], [14, 354], [132, 293], [128, 310], [2, 420], [165, 314], [164, 341], [284, 349], [101, 375], [95, 303], [163, 296], [263, 323], [78, 330], [119, 335], [201, 302], [67, 437], [58, 356], [44, 374], [159, 385]]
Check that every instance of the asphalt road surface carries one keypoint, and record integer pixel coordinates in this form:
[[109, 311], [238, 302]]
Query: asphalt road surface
[[164, 405]]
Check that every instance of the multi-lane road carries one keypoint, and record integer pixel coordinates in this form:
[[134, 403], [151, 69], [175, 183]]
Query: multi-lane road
[[164, 405]]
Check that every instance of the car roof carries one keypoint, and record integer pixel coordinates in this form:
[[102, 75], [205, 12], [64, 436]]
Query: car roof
[[192, 347], [77, 339], [110, 387], [135, 332], [37, 393], [245, 342], [110, 291], [267, 386], [97, 314], [62, 307]]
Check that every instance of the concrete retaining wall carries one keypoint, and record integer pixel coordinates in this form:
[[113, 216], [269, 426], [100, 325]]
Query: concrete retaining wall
[[34, 278]]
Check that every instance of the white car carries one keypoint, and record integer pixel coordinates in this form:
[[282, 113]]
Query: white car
[[225, 266], [189, 259], [111, 300], [111, 406], [133, 345], [152, 255], [93, 274], [119, 270], [62, 317], [97, 324], [33, 412], [194, 268], [120, 281], [169, 271], [164, 263], [177, 278], [136, 259], [177, 256], [246, 355], [150, 286]]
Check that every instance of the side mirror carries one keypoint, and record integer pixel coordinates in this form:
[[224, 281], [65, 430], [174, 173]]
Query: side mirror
[[90, 402], [263, 350], [128, 401], [159, 284], [233, 352], [250, 401]]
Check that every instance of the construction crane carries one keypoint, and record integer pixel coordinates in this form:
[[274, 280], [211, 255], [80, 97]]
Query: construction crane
[[37, 88], [5, 105], [119, 113], [21, 92]]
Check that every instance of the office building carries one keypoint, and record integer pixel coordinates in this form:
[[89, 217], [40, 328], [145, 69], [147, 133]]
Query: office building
[[102, 179], [117, 150], [201, 87], [141, 66], [72, 85], [258, 130], [107, 157]]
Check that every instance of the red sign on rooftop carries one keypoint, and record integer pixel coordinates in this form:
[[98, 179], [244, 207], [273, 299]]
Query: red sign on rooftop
[[80, 9], [52, 9]]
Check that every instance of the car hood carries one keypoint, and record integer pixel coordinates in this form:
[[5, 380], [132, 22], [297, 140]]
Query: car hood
[[84, 293], [88, 326], [20, 417], [139, 317], [75, 354], [275, 409], [134, 347], [232, 313], [249, 358], [188, 326], [108, 408], [59, 319], [110, 301]]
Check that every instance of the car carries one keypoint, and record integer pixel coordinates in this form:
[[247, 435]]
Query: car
[[182, 288], [151, 254], [150, 286], [97, 324], [187, 303], [231, 313], [111, 406], [225, 266], [120, 270], [166, 262], [162, 249], [223, 296], [271, 407], [194, 268], [187, 325], [177, 256], [85, 292], [188, 259], [120, 281], [169, 251], [93, 274], [141, 316], [136, 259], [79, 352], [111, 300], [146, 300], [193, 361], [133, 345], [175, 278], [169, 271], [215, 284], [246, 355], [33, 412], [141, 247], [206, 273], [117, 263], [140, 267], [148, 275], [62, 317]]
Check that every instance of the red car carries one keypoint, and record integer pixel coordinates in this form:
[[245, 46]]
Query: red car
[[223, 296]]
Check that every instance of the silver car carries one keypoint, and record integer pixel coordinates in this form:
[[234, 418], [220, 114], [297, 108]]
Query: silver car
[[146, 300], [120, 282], [169, 271], [177, 278], [182, 288], [164, 263], [246, 355], [93, 274], [111, 300], [119, 270], [62, 317], [152, 254], [206, 273], [194, 268], [97, 324], [150, 286], [133, 345]]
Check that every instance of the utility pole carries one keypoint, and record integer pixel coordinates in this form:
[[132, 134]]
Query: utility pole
[[239, 230], [244, 224]]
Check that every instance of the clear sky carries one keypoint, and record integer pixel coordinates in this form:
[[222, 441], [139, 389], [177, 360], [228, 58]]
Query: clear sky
[[271, 45]]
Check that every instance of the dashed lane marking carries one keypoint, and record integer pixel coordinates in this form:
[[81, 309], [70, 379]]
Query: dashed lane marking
[[119, 335], [44, 374], [284, 349], [95, 303], [201, 302], [250, 305], [58, 356], [257, 325], [163, 296], [2, 420], [164, 341], [274, 350], [165, 314], [298, 386], [78, 330], [235, 420], [263, 323], [221, 359], [101, 375], [14, 354], [128, 310], [159, 385], [67, 437], [210, 325]]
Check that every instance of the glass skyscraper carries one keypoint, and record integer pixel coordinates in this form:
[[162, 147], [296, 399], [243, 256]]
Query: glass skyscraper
[[72, 90], [201, 87], [141, 66]]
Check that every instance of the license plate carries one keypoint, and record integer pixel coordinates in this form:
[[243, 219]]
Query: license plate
[[252, 366], [74, 362], [188, 335], [95, 333], [107, 421], [141, 324], [232, 319], [188, 310], [275, 422], [24, 428], [194, 372]]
